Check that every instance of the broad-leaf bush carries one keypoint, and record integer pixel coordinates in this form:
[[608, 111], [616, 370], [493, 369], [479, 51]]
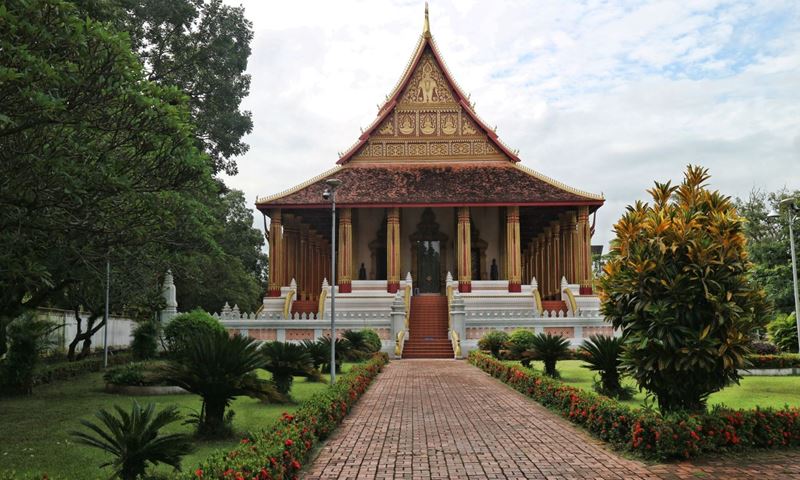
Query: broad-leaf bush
[[180, 331], [279, 452], [519, 344], [676, 284], [783, 332], [493, 341], [645, 432]]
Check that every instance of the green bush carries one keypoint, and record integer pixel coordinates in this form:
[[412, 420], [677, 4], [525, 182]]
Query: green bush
[[493, 341], [677, 283], [280, 450], [549, 349], [519, 344], [786, 360], [646, 432], [181, 329], [603, 354], [144, 345], [284, 360], [62, 370], [373, 340], [783, 332], [135, 440], [26, 341]]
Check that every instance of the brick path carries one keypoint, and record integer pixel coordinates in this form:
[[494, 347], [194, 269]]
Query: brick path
[[437, 419]]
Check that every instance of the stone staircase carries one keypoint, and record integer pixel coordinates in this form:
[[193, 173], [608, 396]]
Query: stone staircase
[[428, 328]]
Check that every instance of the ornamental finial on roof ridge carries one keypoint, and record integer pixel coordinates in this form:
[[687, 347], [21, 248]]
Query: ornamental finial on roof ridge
[[426, 27]]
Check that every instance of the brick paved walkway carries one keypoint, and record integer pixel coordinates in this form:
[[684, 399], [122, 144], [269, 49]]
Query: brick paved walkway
[[437, 419]]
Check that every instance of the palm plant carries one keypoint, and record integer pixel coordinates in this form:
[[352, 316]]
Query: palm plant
[[549, 349], [220, 368], [285, 360], [359, 348], [318, 352], [604, 355], [133, 439], [342, 351]]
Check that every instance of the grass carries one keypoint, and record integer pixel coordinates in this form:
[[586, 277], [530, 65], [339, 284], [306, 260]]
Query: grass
[[34, 436], [752, 392]]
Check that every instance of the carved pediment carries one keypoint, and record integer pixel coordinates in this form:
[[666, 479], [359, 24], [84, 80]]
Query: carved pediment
[[428, 84]]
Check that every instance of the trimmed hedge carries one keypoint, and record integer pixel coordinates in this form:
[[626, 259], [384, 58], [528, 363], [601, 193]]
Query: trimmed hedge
[[786, 360], [647, 433], [279, 451], [52, 372]]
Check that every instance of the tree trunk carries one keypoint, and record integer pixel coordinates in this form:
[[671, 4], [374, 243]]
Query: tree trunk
[[83, 336], [214, 419]]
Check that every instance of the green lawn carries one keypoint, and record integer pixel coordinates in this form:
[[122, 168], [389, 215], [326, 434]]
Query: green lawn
[[33, 430], [752, 392]]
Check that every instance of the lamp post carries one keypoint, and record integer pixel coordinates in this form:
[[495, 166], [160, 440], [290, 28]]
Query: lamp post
[[793, 209], [330, 194]]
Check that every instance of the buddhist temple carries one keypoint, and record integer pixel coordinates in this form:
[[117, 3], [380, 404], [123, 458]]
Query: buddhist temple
[[436, 219]]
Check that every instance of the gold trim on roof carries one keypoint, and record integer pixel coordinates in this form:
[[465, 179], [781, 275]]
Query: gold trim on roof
[[271, 198], [557, 184]]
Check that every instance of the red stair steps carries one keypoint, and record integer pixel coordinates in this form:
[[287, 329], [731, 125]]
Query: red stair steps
[[428, 326]]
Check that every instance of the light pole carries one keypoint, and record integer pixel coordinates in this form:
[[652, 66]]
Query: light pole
[[793, 209], [330, 194]]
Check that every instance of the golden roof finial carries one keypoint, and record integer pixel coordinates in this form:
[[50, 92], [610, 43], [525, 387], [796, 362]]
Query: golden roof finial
[[426, 28]]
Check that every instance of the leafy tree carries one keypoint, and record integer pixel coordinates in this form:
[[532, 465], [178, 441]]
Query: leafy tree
[[549, 349], [220, 368], [134, 439], [95, 158], [768, 245], [285, 360], [603, 354], [201, 47], [677, 285]]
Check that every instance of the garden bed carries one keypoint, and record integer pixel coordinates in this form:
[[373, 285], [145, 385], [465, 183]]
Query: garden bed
[[645, 432], [136, 390]]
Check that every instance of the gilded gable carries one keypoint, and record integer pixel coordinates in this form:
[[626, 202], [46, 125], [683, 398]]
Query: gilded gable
[[428, 84]]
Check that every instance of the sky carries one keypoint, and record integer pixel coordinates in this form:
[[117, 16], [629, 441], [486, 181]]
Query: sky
[[607, 97]]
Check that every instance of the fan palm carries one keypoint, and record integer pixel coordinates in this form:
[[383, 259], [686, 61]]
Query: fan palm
[[359, 348], [549, 349], [342, 351], [133, 439], [220, 368], [319, 352], [285, 360], [604, 355]]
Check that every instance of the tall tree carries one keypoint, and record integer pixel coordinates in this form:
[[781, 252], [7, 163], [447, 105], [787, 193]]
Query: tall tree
[[94, 157], [768, 245], [200, 46]]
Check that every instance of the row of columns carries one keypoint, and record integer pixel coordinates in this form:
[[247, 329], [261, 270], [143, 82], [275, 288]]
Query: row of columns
[[562, 249], [296, 251]]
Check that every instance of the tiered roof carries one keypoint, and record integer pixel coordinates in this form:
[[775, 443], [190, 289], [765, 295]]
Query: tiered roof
[[428, 147]]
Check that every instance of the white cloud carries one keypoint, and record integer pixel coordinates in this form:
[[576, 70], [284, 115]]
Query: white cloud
[[605, 96]]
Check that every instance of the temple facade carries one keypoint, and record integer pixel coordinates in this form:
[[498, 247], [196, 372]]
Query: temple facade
[[442, 234]]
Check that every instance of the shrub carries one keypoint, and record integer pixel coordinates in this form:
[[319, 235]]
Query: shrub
[[373, 340], [280, 451], [648, 433], [603, 354], [677, 284], [787, 360], [285, 360], [181, 329], [318, 351], [219, 368], [358, 348], [144, 345], [493, 341], [27, 339], [549, 349], [783, 332], [519, 344], [342, 352], [135, 440], [130, 374], [763, 348]]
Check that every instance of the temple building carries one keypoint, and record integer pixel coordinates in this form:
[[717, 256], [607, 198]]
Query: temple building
[[436, 219]]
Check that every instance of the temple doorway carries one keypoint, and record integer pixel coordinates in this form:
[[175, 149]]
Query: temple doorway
[[428, 266]]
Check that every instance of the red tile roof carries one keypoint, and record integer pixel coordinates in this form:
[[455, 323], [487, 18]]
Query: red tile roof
[[496, 183]]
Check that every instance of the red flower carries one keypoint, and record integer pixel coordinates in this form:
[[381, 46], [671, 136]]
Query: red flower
[[295, 464], [288, 442], [198, 473]]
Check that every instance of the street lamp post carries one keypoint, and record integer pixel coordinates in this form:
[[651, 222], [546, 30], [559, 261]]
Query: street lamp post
[[330, 194]]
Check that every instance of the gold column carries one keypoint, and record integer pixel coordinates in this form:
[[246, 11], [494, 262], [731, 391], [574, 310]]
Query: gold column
[[571, 228], [513, 249], [303, 283], [547, 267], [393, 250], [464, 251], [290, 240], [584, 240], [344, 263], [555, 275], [275, 253]]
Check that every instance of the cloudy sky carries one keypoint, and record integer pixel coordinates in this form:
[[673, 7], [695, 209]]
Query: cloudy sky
[[604, 96]]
